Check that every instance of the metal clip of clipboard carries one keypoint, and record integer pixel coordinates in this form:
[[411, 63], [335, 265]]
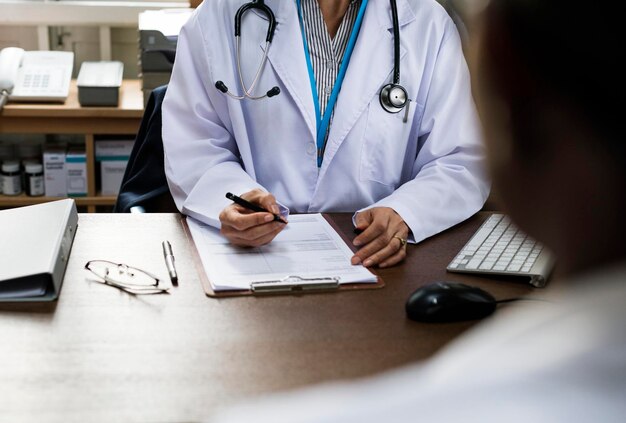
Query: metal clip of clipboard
[[294, 284]]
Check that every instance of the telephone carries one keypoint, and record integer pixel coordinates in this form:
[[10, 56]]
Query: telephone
[[40, 76]]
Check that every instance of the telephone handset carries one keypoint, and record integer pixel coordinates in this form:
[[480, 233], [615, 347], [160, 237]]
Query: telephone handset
[[40, 76]]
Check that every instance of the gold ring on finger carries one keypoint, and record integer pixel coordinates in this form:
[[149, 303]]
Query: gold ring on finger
[[402, 241]]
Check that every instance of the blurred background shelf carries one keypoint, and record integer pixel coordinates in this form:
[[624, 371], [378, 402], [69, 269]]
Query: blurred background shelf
[[71, 118]]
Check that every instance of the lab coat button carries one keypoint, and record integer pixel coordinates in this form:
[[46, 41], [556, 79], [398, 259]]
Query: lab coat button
[[310, 148]]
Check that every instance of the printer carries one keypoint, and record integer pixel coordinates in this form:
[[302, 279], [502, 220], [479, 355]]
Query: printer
[[158, 37]]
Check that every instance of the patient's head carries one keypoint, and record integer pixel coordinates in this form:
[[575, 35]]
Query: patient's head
[[549, 82]]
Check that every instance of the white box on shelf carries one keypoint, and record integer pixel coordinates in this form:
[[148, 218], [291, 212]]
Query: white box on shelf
[[112, 149], [55, 177], [113, 156], [112, 172], [76, 169]]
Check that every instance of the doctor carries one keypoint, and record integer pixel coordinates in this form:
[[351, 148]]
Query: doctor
[[361, 106]]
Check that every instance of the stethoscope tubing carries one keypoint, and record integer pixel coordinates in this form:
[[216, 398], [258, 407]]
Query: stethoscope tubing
[[396, 42], [271, 27], [393, 97], [247, 92], [261, 6]]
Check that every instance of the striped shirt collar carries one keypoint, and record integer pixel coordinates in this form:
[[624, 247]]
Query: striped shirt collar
[[326, 54]]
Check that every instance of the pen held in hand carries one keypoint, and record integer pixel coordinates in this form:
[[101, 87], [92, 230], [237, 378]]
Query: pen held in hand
[[251, 206]]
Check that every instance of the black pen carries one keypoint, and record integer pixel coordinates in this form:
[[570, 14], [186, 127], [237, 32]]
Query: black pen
[[253, 207], [169, 262]]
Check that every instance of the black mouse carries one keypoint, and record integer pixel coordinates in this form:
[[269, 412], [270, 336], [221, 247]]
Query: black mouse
[[449, 302]]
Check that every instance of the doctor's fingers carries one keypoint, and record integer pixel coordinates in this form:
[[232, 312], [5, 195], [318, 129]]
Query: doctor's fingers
[[241, 219], [254, 237], [262, 198], [379, 225], [266, 239], [394, 258], [374, 238], [385, 245], [368, 250], [380, 255], [380, 221]]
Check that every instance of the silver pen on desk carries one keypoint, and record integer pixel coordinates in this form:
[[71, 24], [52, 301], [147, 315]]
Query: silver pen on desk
[[169, 262]]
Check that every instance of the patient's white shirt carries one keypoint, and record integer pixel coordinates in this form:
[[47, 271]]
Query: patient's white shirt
[[557, 361]]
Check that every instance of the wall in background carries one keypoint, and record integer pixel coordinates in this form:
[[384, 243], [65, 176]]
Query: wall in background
[[92, 29], [18, 36], [83, 41]]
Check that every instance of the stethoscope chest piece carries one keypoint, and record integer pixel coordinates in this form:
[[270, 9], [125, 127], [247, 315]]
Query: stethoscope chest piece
[[393, 98]]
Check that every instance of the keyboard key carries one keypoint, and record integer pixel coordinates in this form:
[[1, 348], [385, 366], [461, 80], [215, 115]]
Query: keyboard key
[[473, 264], [514, 268], [479, 237]]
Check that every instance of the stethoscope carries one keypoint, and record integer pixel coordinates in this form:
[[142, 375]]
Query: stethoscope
[[393, 96], [271, 27]]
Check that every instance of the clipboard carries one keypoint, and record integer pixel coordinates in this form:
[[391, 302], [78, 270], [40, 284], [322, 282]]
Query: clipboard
[[290, 285]]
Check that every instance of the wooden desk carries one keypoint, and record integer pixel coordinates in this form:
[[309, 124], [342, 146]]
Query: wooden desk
[[71, 118], [103, 355]]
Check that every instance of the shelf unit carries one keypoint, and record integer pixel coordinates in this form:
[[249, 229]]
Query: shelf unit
[[71, 118]]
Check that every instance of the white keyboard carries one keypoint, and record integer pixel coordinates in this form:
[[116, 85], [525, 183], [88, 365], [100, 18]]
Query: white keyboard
[[500, 248]]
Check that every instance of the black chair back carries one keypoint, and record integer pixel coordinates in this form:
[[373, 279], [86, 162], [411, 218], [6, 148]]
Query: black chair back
[[144, 185]]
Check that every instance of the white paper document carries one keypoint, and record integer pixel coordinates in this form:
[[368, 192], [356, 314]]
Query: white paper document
[[307, 248]]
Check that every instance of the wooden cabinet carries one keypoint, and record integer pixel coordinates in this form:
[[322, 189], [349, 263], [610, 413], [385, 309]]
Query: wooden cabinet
[[71, 118]]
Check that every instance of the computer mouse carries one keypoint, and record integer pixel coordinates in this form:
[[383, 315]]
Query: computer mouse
[[449, 302]]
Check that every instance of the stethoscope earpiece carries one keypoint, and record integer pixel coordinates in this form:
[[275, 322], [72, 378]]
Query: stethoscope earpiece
[[221, 86], [274, 91], [393, 98]]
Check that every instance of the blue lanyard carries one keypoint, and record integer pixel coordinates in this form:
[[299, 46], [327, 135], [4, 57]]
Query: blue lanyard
[[323, 121]]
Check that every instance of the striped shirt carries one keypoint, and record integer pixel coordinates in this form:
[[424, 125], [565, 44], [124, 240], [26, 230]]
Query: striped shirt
[[326, 54]]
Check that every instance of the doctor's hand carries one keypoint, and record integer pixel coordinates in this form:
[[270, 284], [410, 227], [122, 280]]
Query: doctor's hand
[[247, 228], [382, 241]]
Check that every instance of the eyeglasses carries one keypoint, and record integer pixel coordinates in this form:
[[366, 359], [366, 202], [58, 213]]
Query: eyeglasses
[[124, 277]]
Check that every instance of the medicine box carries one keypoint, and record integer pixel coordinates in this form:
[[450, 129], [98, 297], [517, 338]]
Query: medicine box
[[113, 157], [112, 174], [55, 179], [76, 169]]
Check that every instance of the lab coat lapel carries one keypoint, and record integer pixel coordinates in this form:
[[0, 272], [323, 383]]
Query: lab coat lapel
[[370, 68], [286, 55]]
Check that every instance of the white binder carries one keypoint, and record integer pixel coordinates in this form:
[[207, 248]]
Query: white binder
[[35, 246]]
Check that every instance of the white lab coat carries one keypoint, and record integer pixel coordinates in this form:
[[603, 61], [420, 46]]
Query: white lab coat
[[429, 170]]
